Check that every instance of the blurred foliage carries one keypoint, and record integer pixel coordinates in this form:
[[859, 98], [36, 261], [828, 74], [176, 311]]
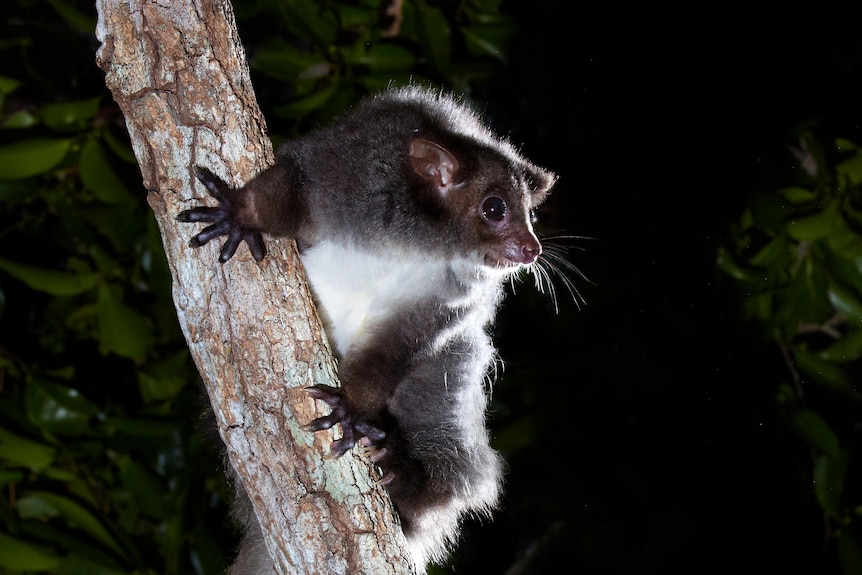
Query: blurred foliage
[[98, 409], [101, 457], [311, 59], [796, 256]]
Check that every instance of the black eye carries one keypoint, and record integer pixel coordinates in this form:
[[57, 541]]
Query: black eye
[[494, 208]]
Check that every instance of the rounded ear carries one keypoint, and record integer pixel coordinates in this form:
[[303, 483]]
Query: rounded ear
[[539, 183], [434, 163]]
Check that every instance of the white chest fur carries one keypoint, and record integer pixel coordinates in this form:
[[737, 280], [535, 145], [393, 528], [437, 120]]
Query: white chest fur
[[356, 289]]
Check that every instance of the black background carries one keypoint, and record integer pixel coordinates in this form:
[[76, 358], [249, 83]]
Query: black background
[[655, 443]]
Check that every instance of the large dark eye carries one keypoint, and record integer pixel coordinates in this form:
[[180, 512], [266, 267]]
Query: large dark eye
[[493, 208]]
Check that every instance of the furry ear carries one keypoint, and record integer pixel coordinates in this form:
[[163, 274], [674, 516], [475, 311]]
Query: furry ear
[[434, 163], [540, 181]]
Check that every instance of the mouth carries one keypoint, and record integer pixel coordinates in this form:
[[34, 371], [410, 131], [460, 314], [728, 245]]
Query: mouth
[[504, 264], [512, 259]]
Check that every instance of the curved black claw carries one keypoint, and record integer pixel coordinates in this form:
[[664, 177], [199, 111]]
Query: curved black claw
[[353, 428], [332, 397], [214, 184], [222, 220]]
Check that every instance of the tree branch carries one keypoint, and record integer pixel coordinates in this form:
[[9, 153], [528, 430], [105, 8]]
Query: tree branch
[[179, 74]]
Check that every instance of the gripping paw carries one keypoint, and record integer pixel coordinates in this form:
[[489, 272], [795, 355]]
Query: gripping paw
[[353, 428], [222, 220]]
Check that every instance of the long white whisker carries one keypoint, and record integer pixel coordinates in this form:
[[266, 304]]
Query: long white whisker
[[552, 262], [558, 254], [552, 239], [543, 282], [567, 282]]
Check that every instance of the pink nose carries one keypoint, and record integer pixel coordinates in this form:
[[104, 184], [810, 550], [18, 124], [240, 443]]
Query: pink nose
[[530, 253]]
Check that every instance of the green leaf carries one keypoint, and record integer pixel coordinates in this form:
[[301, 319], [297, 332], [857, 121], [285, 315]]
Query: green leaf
[[44, 505], [849, 552], [829, 475], [844, 270], [20, 451], [768, 211], [786, 395], [58, 409], [10, 475], [814, 429], [488, 40], [85, 24], [815, 226], [159, 388], [307, 104], [350, 16], [123, 330], [388, 58], [846, 303], [846, 242], [775, 254], [20, 556], [31, 157], [146, 488], [20, 119], [163, 379], [758, 307], [284, 61], [121, 149], [844, 145], [73, 542], [851, 169], [847, 348], [801, 297], [74, 564], [50, 281], [435, 35], [728, 265], [8, 85], [826, 374], [99, 177], [310, 18], [797, 195], [73, 115]]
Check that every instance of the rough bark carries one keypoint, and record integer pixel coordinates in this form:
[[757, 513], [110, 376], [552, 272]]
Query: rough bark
[[179, 74]]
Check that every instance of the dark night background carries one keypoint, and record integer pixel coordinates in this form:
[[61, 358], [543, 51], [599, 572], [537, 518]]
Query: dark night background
[[641, 427], [661, 447]]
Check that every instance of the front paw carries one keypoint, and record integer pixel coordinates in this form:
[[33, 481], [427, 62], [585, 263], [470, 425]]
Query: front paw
[[353, 427], [222, 220]]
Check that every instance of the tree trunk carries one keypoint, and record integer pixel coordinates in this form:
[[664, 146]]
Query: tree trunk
[[179, 74]]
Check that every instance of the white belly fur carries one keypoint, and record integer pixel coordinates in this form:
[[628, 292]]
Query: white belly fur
[[356, 289]]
